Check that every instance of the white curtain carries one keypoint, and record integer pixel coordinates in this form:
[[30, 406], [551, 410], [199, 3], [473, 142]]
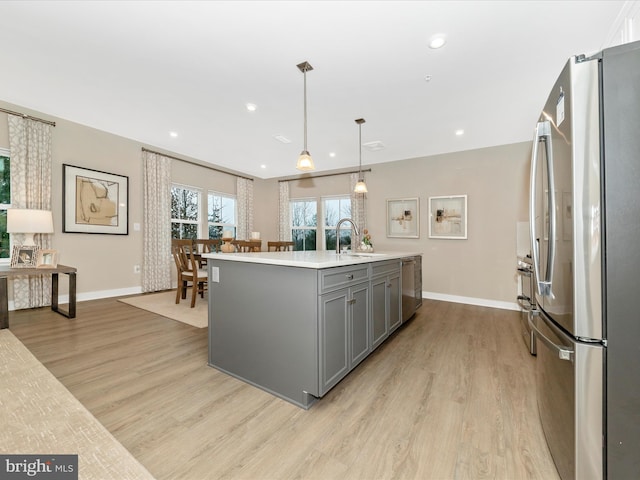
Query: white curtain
[[30, 147], [358, 210], [156, 259], [244, 192], [284, 213]]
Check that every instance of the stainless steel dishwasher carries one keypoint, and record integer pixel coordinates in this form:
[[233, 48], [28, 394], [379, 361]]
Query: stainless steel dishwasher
[[409, 299]]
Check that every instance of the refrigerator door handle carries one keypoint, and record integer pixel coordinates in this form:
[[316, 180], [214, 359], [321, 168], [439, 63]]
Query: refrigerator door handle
[[542, 132], [563, 352], [551, 248]]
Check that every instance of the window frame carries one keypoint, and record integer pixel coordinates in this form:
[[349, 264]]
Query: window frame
[[5, 152], [225, 226], [344, 227], [181, 221], [303, 227]]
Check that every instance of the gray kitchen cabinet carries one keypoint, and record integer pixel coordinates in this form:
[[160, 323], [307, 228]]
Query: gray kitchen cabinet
[[386, 294], [343, 324], [309, 321], [379, 325]]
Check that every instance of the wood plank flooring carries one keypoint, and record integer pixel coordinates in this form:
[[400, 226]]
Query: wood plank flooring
[[451, 395]]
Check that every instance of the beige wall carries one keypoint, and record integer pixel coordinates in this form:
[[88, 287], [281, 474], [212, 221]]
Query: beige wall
[[105, 262], [495, 182], [480, 268]]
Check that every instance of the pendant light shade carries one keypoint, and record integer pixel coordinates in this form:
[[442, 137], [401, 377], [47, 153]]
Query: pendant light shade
[[360, 187], [305, 162]]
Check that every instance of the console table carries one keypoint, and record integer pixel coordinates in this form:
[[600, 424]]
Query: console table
[[7, 272]]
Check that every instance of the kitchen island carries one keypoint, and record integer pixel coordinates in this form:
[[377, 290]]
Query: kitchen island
[[295, 323]]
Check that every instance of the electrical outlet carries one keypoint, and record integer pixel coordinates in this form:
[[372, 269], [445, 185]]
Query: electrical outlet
[[136, 269]]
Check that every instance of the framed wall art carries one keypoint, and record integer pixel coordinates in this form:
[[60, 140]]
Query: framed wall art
[[94, 201], [403, 218], [24, 256], [47, 258], [448, 217]]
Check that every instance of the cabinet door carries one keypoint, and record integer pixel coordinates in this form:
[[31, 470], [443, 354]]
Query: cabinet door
[[334, 357], [379, 325], [394, 300], [359, 324]]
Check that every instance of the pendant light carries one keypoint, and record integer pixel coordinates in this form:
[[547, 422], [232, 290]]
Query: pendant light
[[305, 162], [361, 187]]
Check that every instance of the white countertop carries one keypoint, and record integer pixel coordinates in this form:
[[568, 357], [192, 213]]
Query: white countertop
[[309, 259]]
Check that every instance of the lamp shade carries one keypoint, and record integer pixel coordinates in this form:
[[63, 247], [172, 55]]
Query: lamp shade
[[305, 162], [28, 221], [361, 187]]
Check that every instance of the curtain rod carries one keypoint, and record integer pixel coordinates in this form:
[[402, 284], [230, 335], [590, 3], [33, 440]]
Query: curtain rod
[[24, 115], [196, 164], [323, 175]]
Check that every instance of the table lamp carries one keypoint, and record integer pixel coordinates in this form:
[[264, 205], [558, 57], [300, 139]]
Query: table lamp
[[29, 222]]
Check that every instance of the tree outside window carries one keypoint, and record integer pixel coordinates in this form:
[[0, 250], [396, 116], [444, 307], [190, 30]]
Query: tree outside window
[[304, 221], [5, 202], [185, 212], [221, 214], [336, 208]]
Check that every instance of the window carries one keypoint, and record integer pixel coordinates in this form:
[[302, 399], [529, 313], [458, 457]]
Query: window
[[336, 208], [304, 222], [185, 212], [221, 214], [5, 202]]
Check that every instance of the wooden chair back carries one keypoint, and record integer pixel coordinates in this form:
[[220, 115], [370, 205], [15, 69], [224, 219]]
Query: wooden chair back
[[279, 246], [207, 245], [182, 250], [189, 272], [248, 245]]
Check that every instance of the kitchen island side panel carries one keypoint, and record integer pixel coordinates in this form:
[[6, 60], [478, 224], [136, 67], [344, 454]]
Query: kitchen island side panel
[[263, 327]]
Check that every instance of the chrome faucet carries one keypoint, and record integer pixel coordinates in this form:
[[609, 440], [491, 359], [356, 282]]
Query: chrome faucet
[[340, 222]]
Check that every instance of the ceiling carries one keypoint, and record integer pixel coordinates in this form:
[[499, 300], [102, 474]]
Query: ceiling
[[144, 69]]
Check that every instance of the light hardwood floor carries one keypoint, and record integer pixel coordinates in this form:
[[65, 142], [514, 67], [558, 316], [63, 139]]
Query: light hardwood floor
[[451, 395]]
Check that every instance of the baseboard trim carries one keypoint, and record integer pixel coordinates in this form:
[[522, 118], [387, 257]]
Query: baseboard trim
[[471, 301], [119, 292], [82, 297]]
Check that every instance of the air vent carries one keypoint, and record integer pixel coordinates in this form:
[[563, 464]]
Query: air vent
[[373, 146], [282, 138]]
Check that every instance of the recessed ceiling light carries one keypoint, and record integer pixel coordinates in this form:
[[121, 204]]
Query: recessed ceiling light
[[282, 138], [427, 78], [437, 41], [459, 132], [252, 107], [263, 166], [332, 154], [173, 134]]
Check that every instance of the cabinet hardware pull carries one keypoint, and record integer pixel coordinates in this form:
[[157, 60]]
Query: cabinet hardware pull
[[352, 301], [350, 276]]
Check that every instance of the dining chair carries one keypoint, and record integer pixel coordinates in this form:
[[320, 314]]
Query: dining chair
[[189, 272], [206, 245], [279, 246], [248, 245]]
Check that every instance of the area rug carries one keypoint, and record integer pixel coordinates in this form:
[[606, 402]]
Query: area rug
[[39, 416], [164, 304]]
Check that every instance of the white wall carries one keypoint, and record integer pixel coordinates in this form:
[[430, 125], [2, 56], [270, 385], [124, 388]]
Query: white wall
[[626, 28]]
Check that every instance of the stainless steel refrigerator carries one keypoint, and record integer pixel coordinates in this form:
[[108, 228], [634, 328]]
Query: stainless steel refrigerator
[[585, 240]]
